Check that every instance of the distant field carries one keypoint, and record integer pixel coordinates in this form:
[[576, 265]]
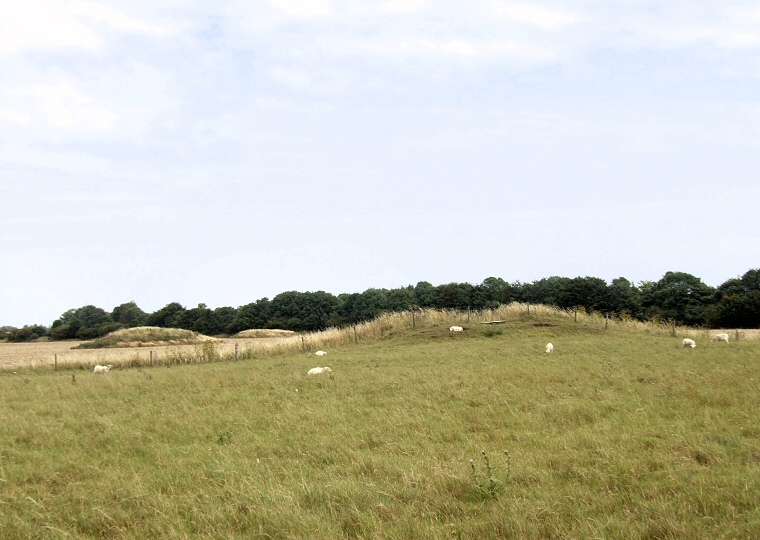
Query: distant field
[[42, 354], [618, 434]]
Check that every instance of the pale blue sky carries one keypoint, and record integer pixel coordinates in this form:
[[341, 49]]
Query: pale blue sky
[[221, 152]]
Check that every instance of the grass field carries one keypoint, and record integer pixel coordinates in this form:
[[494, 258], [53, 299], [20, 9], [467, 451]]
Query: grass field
[[617, 434]]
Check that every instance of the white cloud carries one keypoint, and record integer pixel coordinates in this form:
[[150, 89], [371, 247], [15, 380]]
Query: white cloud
[[303, 8], [535, 15], [35, 24], [42, 23], [403, 6], [56, 106]]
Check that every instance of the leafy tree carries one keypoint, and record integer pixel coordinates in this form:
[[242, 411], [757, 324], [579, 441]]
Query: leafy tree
[[552, 291], [587, 292], [401, 299], [454, 296], [253, 315], [129, 315], [679, 296], [165, 316], [27, 333], [86, 322], [426, 294], [624, 299], [298, 311], [495, 292]]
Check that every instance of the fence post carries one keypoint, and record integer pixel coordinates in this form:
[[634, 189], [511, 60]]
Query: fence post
[[528, 310], [236, 351], [674, 328], [468, 313], [356, 336], [414, 320], [303, 343], [737, 335], [606, 321], [576, 314], [56, 363], [151, 357]]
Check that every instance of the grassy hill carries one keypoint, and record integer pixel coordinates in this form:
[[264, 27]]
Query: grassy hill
[[146, 336], [617, 434]]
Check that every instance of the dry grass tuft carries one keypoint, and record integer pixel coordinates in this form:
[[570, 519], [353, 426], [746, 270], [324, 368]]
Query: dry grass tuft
[[263, 333]]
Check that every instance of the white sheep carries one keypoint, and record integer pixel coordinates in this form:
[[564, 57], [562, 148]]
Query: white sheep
[[320, 353], [549, 347], [721, 337], [456, 329], [102, 369], [319, 370], [688, 343]]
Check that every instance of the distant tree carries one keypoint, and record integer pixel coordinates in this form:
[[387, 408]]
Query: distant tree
[[679, 296], [165, 316], [454, 296], [551, 291], [86, 322], [426, 295], [221, 319], [129, 315], [624, 298], [587, 292], [27, 333], [495, 292], [299, 311], [401, 299], [737, 302], [253, 315]]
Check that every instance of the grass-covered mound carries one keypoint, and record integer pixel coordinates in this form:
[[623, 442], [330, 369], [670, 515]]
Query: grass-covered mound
[[146, 336], [264, 333]]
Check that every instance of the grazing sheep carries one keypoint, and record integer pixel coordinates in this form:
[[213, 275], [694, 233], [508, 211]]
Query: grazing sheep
[[549, 347], [688, 343], [456, 329], [320, 353], [102, 369], [319, 370], [721, 337]]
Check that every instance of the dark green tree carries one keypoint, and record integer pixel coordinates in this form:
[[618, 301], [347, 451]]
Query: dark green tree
[[165, 316], [678, 296], [129, 314]]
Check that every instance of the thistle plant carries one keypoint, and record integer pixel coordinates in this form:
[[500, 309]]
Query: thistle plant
[[488, 486]]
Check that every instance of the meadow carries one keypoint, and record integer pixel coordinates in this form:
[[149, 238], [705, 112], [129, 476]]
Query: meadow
[[418, 433]]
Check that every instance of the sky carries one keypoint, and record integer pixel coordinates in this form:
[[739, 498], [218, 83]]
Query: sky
[[163, 151]]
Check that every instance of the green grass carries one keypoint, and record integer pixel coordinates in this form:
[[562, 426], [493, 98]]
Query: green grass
[[616, 434]]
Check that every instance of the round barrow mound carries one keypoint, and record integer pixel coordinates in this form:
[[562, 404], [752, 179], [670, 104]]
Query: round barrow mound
[[146, 336]]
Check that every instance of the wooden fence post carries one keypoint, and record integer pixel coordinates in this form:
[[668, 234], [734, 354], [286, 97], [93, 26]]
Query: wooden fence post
[[606, 321], [55, 368], [236, 351], [151, 357], [737, 335], [576, 314], [674, 327], [356, 336], [468, 313], [303, 343], [414, 320]]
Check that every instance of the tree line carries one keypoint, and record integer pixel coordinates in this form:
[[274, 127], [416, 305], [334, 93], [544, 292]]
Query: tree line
[[678, 297]]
